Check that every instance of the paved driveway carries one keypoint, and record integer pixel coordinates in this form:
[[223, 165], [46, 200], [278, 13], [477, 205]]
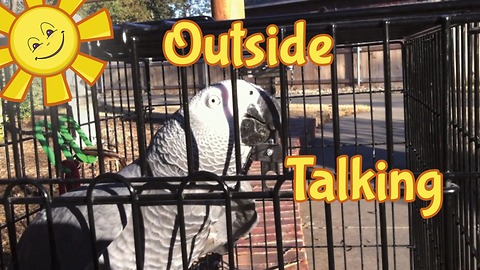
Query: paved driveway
[[356, 229]]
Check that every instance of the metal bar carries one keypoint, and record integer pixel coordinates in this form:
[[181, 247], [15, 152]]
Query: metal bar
[[14, 135], [406, 88], [359, 68], [148, 86], [476, 105], [471, 192], [228, 217], [445, 86], [122, 109], [284, 105], [450, 262], [56, 146], [129, 107], [372, 130], [186, 119], [107, 130], [389, 133], [98, 130], [284, 134], [181, 223], [388, 94], [20, 139], [336, 142], [113, 96], [236, 120], [448, 236], [138, 96], [278, 224]]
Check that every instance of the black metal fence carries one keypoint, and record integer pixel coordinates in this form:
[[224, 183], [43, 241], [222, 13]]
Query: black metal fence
[[442, 97], [430, 121]]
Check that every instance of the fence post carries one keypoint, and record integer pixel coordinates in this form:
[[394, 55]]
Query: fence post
[[228, 9], [449, 190], [389, 132], [450, 195]]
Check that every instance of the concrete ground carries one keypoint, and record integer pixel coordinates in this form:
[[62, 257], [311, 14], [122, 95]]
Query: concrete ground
[[356, 227]]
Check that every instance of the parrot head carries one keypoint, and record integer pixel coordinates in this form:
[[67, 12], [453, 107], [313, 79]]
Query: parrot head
[[258, 112], [211, 120]]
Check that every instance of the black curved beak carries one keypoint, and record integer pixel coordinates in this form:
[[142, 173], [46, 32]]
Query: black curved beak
[[262, 120]]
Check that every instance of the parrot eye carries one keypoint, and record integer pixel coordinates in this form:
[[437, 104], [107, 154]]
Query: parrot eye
[[213, 101], [251, 92]]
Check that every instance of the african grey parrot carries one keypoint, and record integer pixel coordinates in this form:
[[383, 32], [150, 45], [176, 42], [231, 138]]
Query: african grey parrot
[[211, 125]]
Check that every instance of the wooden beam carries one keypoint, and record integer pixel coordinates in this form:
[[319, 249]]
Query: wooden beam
[[228, 9]]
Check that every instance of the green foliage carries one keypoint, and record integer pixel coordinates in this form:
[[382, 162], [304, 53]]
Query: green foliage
[[148, 10], [135, 10], [187, 8]]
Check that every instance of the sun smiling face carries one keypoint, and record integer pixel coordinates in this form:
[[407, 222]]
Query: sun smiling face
[[44, 42], [46, 46]]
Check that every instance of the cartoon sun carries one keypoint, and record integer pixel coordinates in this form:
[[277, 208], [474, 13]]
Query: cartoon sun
[[44, 41]]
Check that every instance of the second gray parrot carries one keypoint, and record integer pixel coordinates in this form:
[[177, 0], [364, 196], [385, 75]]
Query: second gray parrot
[[212, 133]]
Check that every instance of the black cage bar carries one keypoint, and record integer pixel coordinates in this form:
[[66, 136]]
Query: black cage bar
[[403, 87]]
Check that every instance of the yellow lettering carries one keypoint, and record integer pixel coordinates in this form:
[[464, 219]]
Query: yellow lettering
[[342, 179], [258, 54], [299, 164], [359, 181], [396, 178], [297, 42], [434, 194], [381, 181], [237, 34], [221, 57], [428, 186], [272, 45], [174, 39], [229, 50], [319, 49], [322, 187]]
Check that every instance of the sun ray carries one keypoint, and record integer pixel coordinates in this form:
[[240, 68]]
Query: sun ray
[[5, 57], [56, 90], [17, 87], [97, 26], [33, 3], [70, 6], [88, 68], [7, 20], [25, 31]]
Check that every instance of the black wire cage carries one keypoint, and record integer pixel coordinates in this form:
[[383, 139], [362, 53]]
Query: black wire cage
[[403, 87]]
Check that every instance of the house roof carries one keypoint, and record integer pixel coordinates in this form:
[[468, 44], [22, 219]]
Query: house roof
[[258, 8]]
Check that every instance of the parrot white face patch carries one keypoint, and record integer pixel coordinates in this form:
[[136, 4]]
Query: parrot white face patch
[[212, 111], [213, 101]]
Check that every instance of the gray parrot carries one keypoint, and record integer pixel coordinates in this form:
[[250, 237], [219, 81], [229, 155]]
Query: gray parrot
[[212, 132]]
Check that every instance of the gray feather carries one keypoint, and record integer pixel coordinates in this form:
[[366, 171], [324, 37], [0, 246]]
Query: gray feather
[[205, 224]]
